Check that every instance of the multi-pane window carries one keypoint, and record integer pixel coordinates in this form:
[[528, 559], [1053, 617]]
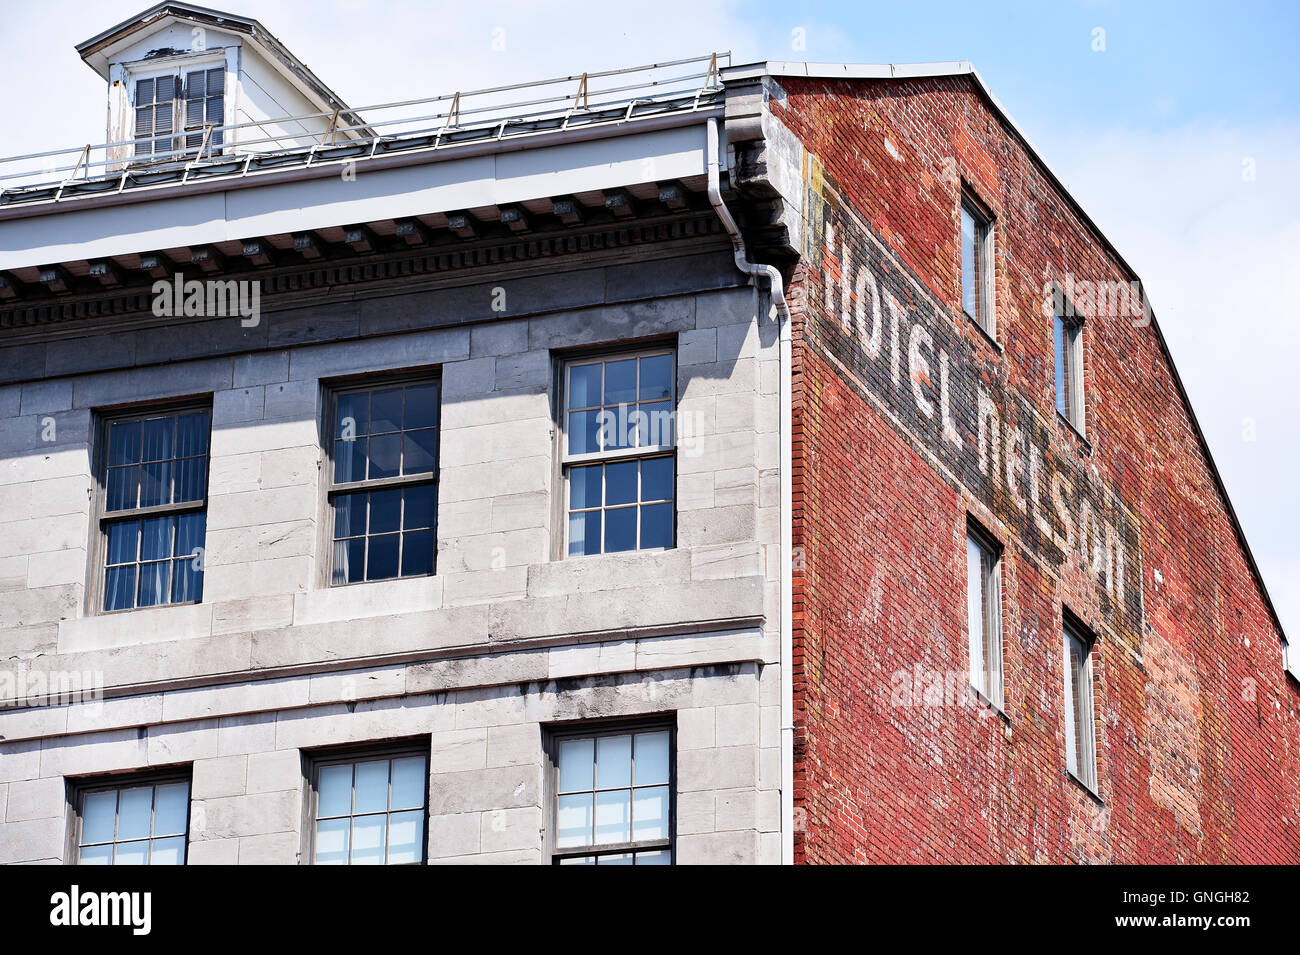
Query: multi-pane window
[[619, 452], [984, 614], [143, 822], [155, 115], [204, 106], [383, 488], [977, 265], [1080, 740], [370, 810], [613, 800], [1067, 339], [166, 106], [152, 514]]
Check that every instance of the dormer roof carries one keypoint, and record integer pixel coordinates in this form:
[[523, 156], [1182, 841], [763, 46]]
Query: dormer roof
[[102, 50]]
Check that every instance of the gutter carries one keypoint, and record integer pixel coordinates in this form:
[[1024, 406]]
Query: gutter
[[777, 287]]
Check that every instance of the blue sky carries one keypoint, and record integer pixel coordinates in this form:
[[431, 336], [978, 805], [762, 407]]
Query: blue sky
[[1153, 135], [1163, 63]]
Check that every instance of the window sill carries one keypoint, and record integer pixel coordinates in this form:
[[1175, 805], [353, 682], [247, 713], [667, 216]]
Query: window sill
[[988, 705], [126, 610], [1073, 430], [1088, 790], [984, 332], [625, 554]]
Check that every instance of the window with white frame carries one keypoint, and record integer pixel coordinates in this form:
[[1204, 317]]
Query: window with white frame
[[1080, 731], [619, 451], [174, 110], [977, 264], [1067, 340], [153, 487], [984, 614], [138, 821], [368, 808], [383, 479], [612, 795]]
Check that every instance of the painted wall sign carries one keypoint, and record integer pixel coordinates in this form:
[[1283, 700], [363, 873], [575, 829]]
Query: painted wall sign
[[900, 347]]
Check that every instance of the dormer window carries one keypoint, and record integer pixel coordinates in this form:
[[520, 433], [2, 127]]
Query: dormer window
[[173, 109]]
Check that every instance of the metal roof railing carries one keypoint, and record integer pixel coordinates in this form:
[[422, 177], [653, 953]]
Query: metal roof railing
[[435, 122]]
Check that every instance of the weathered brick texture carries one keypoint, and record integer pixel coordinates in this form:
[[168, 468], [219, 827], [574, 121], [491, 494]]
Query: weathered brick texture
[[1196, 723]]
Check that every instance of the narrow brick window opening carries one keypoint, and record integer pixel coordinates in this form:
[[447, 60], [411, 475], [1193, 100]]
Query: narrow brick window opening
[[984, 614], [977, 265]]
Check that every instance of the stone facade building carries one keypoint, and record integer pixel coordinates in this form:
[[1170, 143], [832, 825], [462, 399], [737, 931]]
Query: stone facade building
[[458, 487]]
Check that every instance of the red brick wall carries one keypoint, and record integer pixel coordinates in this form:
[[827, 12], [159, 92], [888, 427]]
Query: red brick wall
[[1197, 726]]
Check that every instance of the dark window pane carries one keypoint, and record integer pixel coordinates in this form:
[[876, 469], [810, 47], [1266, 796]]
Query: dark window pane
[[417, 553], [420, 504], [417, 451], [584, 487], [349, 460], [386, 410], [190, 477], [156, 538], [583, 428], [187, 581], [192, 434], [385, 510], [166, 90], [383, 558], [124, 443], [143, 91], [584, 386], [216, 80], [620, 483], [190, 530], [349, 560], [421, 407], [122, 541], [195, 84], [143, 128], [620, 529], [385, 452], [349, 515], [156, 439], [655, 424], [657, 479], [214, 110], [122, 488], [353, 417], [620, 381], [155, 483], [119, 588], [154, 584], [584, 533], [656, 525], [656, 377]]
